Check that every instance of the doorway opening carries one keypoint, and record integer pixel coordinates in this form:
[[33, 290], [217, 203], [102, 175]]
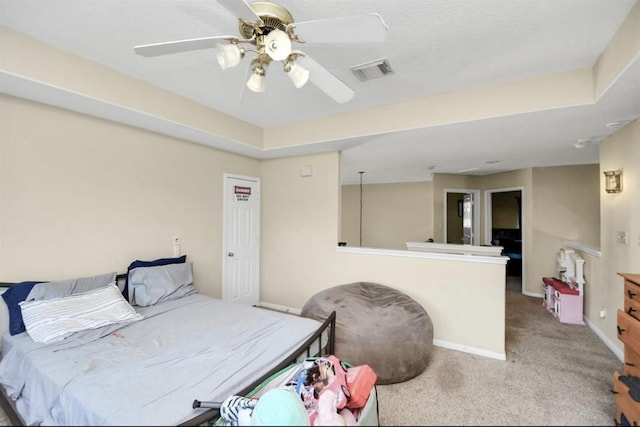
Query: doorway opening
[[504, 225], [461, 216]]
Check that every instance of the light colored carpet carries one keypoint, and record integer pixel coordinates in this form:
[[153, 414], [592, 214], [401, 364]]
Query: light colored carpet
[[555, 374]]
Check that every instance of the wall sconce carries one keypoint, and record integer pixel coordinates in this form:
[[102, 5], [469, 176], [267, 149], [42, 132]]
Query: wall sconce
[[613, 181]]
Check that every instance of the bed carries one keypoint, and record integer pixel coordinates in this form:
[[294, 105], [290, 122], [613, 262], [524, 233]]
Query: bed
[[150, 368]]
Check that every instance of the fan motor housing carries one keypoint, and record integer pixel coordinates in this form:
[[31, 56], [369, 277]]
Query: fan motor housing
[[273, 16]]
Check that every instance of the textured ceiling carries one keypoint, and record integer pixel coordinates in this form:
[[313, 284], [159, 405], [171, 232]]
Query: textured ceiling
[[434, 47]]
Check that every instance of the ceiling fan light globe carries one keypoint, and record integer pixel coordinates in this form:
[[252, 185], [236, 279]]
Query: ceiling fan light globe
[[256, 82], [298, 75], [277, 45], [228, 55]]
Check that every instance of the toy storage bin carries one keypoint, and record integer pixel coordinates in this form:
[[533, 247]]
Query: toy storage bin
[[368, 415]]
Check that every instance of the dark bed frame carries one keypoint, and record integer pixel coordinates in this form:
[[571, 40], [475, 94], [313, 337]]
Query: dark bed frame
[[210, 415]]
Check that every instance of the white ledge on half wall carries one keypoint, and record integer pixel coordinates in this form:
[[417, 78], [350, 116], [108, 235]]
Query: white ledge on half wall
[[454, 248], [588, 249], [421, 254]]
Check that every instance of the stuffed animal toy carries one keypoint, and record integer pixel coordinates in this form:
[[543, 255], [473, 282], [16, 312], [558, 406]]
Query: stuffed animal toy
[[237, 410], [327, 413], [327, 410]]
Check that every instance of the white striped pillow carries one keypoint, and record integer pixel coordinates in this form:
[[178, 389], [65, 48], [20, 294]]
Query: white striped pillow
[[54, 319]]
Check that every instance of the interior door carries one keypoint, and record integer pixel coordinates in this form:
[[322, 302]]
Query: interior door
[[467, 219], [241, 247]]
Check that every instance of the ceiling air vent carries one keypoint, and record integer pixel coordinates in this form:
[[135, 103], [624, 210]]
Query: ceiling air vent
[[372, 70]]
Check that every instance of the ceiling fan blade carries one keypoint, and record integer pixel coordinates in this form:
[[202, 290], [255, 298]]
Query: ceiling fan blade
[[240, 9], [326, 81], [176, 46], [368, 28]]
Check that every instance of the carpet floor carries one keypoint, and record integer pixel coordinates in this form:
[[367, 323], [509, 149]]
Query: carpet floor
[[554, 374]]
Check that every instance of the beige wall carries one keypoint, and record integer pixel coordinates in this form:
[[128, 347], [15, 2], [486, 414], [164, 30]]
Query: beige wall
[[619, 212], [565, 205], [571, 190], [392, 214], [577, 190], [299, 230], [350, 213], [81, 196], [299, 259]]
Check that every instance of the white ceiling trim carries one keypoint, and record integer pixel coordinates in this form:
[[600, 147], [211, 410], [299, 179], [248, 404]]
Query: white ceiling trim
[[38, 91], [45, 93]]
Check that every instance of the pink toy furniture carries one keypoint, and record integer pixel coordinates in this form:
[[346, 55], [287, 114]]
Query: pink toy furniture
[[563, 301]]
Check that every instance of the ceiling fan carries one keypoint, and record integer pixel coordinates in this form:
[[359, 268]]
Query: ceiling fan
[[268, 31]]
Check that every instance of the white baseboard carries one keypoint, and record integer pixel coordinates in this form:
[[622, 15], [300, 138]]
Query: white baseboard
[[439, 343], [617, 351], [278, 307], [466, 349], [531, 294], [472, 350]]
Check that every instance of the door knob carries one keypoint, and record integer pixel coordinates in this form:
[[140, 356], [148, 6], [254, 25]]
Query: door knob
[[230, 254]]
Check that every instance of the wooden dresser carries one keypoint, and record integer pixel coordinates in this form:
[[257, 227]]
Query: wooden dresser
[[626, 386]]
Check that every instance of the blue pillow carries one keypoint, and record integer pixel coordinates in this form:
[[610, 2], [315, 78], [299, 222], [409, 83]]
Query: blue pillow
[[137, 263], [13, 297]]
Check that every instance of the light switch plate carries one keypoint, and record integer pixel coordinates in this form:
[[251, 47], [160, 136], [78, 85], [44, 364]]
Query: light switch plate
[[176, 246]]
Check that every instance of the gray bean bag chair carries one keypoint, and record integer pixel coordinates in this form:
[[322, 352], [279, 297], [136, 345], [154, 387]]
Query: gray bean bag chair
[[377, 325]]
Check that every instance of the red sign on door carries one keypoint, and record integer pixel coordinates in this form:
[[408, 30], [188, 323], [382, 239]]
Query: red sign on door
[[242, 190], [242, 193]]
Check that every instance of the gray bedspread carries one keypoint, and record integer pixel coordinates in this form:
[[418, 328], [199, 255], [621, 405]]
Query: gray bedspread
[[148, 372]]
